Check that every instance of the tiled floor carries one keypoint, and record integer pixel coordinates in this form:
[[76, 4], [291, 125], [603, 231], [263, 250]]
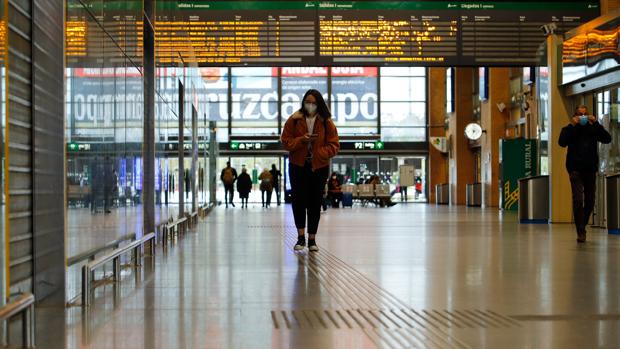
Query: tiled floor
[[408, 276]]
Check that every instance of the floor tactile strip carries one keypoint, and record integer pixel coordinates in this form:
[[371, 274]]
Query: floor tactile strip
[[384, 318]]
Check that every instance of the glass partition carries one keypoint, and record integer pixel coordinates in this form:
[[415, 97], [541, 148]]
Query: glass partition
[[103, 134]]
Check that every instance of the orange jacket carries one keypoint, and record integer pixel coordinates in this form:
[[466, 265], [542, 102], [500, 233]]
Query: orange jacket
[[324, 147]]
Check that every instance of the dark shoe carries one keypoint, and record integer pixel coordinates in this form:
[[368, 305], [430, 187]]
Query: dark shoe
[[581, 237], [233, 205], [312, 245], [390, 204], [301, 243]]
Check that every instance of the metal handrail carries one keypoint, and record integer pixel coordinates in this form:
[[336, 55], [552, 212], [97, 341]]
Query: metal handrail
[[205, 209], [24, 304], [113, 256], [173, 227], [90, 254]]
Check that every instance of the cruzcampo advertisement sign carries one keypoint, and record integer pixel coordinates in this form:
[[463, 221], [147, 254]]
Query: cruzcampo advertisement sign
[[518, 160]]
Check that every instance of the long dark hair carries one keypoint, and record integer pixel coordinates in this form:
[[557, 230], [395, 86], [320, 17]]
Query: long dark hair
[[321, 107]]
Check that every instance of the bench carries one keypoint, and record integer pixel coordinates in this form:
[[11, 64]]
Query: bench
[[368, 193]]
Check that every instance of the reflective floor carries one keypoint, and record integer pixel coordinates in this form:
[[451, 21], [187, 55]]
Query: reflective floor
[[409, 276]]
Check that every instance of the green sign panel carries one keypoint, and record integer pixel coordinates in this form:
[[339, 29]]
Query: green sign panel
[[77, 147], [518, 160], [247, 146], [378, 145]]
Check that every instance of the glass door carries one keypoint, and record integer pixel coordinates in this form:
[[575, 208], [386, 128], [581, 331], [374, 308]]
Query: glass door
[[389, 171], [254, 167]]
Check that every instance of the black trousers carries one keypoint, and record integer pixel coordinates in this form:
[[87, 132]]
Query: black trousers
[[307, 188], [336, 198], [583, 185], [229, 193], [267, 193], [276, 188]]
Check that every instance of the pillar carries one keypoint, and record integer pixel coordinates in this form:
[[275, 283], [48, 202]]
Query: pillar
[[181, 150], [493, 122], [461, 159], [437, 161], [608, 6], [212, 162], [559, 112], [148, 138], [194, 174]]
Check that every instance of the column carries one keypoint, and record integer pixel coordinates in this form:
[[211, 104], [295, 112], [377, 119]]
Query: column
[[148, 138], [212, 162], [194, 174], [493, 122], [608, 6], [461, 159], [559, 112], [181, 150], [437, 161]]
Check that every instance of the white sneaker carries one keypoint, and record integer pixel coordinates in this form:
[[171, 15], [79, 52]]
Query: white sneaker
[[301, 243], [312, 246]]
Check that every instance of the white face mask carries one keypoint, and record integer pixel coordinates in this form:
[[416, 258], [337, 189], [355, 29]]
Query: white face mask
[[310, 108]]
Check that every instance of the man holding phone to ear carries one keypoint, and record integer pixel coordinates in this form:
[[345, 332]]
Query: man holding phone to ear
[[581, 137]]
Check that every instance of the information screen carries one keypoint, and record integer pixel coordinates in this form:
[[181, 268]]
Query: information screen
[[258, 33], [328, 33]]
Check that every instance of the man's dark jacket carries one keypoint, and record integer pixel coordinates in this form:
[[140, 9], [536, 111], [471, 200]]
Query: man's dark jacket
[[582, 142]]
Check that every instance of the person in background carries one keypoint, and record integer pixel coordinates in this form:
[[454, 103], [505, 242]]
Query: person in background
[[334, 190], [582, 136], [311, 138], [276, 174], [244, 186], [325, 198], [382, 202], [228, 178], [266, 187], [188, 183], [108, 186], [114, 186], [418, 186]]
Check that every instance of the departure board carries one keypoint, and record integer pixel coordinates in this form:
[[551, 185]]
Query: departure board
[[387, 32], [502, 35], [441, 33], [240, 32], [325, 33]]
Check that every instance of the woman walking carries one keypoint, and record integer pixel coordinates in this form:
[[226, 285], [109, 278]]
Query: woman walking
[[266, 187], [311, 138], [244, 186]]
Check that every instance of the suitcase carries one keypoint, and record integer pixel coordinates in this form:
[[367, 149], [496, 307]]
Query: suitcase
[[347, 199]]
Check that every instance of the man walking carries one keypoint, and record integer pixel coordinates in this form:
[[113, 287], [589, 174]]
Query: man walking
[[581, 137], [276, 174], [228, 178]]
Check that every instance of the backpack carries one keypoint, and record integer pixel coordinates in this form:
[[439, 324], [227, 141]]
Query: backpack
[[228, 177]]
